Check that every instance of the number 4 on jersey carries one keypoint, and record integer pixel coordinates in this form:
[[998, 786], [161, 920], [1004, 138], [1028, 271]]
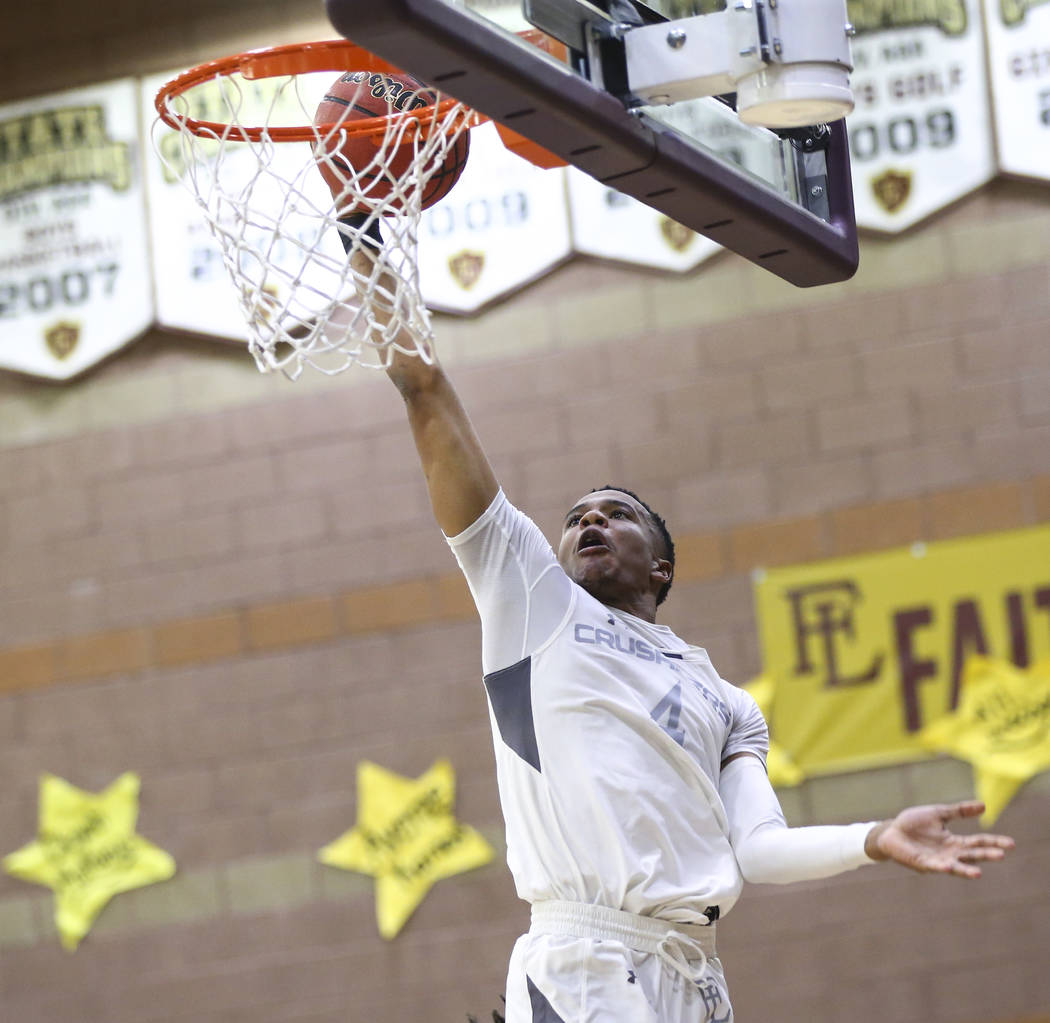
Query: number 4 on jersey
[[670, 708]]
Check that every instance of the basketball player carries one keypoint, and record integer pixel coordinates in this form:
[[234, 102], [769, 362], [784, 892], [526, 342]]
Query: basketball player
[[632, 777]]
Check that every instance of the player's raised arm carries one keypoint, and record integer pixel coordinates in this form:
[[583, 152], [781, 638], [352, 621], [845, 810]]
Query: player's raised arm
[[459, 478]]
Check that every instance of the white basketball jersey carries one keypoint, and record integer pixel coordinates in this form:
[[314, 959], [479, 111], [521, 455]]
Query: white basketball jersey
[[609, 734]]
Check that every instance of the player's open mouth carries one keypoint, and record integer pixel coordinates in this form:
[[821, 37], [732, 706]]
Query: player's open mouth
[[591, 542]]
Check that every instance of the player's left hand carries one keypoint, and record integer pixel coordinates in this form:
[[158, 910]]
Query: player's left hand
[[919, 838]]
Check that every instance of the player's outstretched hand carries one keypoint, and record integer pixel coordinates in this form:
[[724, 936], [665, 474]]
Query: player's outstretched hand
[[919, 838]]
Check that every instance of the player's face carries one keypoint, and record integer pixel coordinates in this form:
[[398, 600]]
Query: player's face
[[608, 546]]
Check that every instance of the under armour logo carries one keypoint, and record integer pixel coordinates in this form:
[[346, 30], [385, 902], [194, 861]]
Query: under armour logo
[[630, 976]]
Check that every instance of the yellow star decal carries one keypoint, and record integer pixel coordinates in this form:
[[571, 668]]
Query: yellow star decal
[[783, 771], [87, 851], [1001, 726], [407, 838]]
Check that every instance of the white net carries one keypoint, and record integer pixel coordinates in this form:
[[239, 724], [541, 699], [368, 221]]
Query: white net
[[317, 286]]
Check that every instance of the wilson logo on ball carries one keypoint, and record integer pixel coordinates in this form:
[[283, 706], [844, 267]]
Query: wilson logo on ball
[[367, 160]]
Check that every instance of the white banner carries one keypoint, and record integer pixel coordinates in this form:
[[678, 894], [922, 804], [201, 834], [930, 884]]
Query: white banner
[[611, 225], [1019, 70], [74, 260], [267, 200], [193, 290], [920, 136], [505, 223]]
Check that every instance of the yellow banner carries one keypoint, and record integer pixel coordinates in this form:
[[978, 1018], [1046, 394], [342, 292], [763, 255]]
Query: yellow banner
[[865, 651]]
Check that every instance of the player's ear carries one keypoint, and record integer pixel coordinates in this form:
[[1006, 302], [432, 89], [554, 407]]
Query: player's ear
[[663, 570]]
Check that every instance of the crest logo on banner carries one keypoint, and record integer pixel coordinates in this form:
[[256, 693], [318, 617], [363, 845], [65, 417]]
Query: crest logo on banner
[[87, 851], [892, 189], [1018, 34], [865, 652], [609, 225], [920, 85], [504, 224], [466, 267], [62, 339], [74, 261], [678, 237], [407, 838]]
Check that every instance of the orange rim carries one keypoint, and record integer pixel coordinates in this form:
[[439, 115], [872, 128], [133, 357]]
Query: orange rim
[[304, 58], [285, 61]]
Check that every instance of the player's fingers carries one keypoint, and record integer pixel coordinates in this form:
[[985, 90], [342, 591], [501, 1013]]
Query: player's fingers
[[947, 862], [998, 844], [1004, 842], [981, 853], [956, 811], [955, 866]]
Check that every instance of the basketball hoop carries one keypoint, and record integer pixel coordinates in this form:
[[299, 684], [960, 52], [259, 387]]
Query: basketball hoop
[[314, 290]]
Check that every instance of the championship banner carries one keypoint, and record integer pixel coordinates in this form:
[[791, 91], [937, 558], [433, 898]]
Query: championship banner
[[1001, 726], [74, 259], [87, 851], [611, 225], [193, 290], [503, 225], [920, 136], [1019, 69], [407, 838], [864, 652]]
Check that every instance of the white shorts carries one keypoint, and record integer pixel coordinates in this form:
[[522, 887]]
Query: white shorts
[[586, 964]]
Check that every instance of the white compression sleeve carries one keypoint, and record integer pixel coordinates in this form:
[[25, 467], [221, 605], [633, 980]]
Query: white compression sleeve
[[767, 850]]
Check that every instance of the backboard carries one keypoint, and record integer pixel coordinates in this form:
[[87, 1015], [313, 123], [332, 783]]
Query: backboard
[[781, 199]]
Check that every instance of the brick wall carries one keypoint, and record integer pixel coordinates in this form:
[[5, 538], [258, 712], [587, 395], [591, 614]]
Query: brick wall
[[232, 585]]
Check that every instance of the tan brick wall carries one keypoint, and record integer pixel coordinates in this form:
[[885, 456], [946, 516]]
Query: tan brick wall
[[233, 586]]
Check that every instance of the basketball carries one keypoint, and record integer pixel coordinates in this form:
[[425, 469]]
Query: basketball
[[361, 94]]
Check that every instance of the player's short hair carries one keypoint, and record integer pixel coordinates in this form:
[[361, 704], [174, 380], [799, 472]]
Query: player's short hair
[[662, 531]]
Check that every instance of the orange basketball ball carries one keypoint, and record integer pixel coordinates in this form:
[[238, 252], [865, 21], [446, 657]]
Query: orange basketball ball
[[360, 94]]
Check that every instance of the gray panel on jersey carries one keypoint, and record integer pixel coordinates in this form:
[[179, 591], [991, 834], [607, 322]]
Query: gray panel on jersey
[[510, 693], [541, 1008]]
